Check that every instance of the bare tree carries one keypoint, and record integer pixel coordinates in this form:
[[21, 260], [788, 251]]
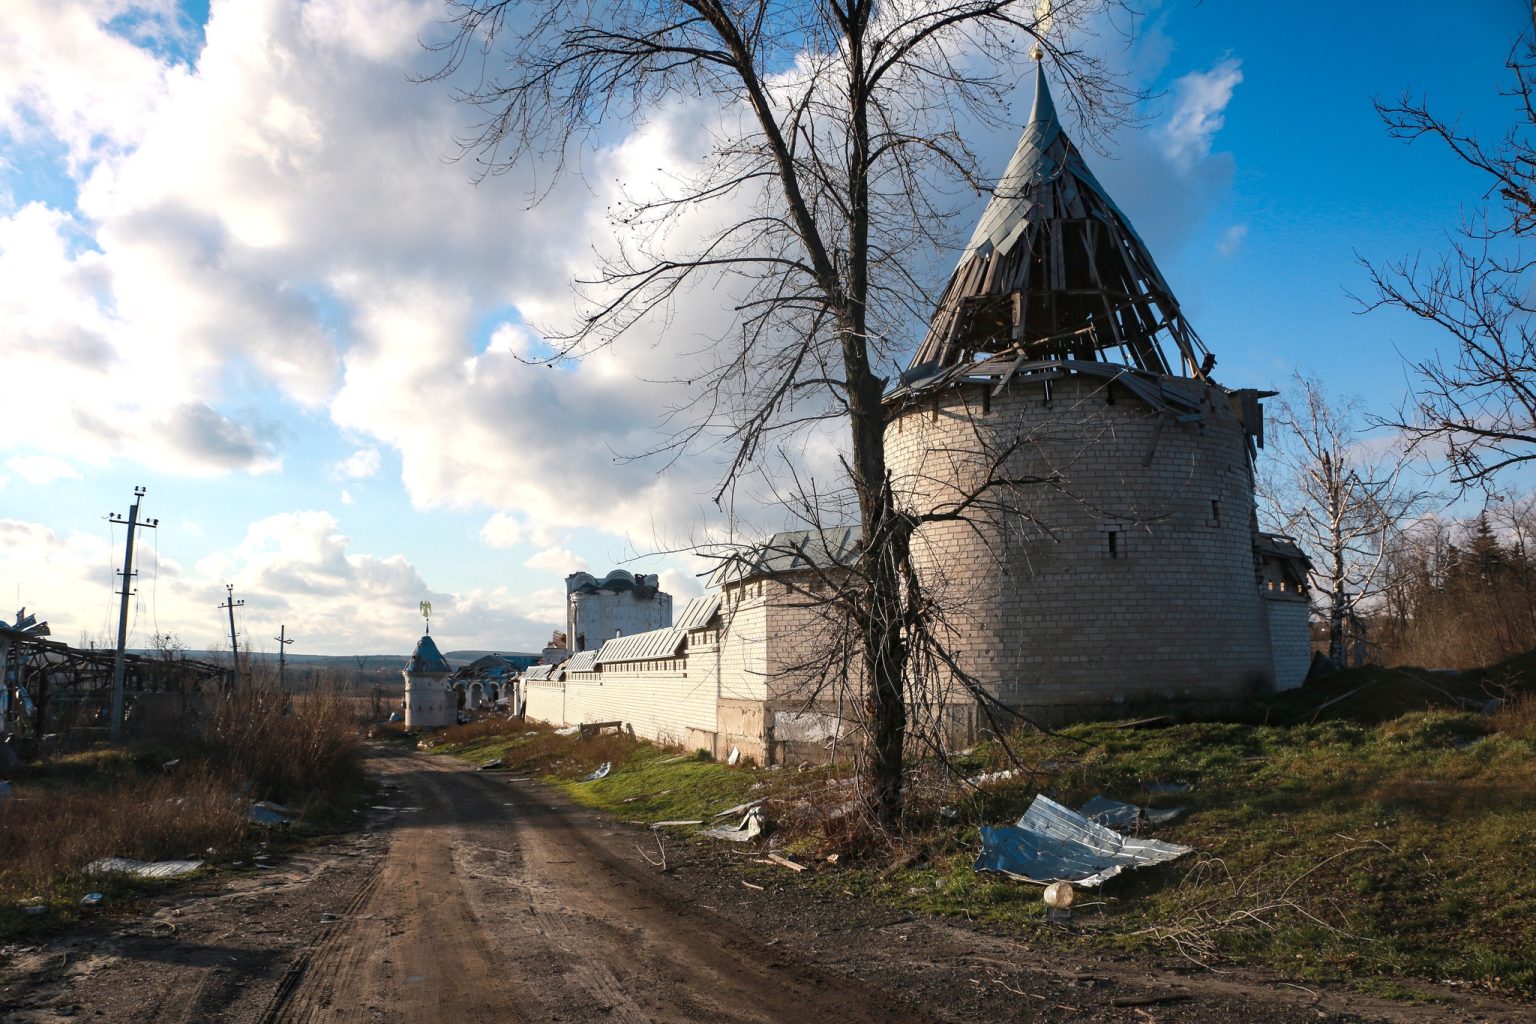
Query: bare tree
[[1343, 499], [850, 145], [1478, 403]]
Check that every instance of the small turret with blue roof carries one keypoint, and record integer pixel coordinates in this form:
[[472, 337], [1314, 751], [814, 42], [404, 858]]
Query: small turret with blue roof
[[427, 658], [430, 702]]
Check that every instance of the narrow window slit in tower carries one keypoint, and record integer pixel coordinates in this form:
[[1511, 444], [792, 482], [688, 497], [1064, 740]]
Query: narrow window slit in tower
[[1114, 543], [1215, 511]]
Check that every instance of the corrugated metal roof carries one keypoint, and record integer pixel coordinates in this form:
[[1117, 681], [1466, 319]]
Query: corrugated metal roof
[[536, 672], [791, 551], [582, 661], [698, 613], [658, 643]]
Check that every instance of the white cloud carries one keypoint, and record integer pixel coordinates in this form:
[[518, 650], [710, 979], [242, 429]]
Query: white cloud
[[682, 586], [360, 465], [42, 469], [503, 531], [560, 561], [1231, 239], [1199, 112], [346, 496], [279, 221], [65, 75]]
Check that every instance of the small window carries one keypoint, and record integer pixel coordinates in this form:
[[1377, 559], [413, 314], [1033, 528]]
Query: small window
[[1114, 543], [1216, 511]]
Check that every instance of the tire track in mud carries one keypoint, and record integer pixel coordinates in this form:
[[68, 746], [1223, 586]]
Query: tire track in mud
[[409, 948], [494, 904]]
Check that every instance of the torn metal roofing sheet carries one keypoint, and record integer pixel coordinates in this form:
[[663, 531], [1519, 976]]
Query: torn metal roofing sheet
[[581, 661], [791, 551], [658, 643], [536, 672], [1052, 843], [698, 613]]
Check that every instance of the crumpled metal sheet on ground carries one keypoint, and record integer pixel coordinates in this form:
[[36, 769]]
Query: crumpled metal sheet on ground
[[1114, 814], [143, 869], [750, 828], [1052, 843]]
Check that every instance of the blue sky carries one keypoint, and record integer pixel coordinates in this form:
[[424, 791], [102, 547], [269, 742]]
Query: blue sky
[[235, 269]]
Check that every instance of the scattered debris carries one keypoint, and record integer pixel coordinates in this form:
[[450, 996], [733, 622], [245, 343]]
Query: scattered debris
[[734, 757], [949, 812], [1150, 1000], [272, 815], [601, 773], [170, 767], [1145, 723], [1051, 843], [739, 809], [91, 899], [569, 730], [679, 823], [499, 762], [588, 729], [749, 885], [752, 826], [785, 862], [1058, 897], [987, 778], [1114, 814], [34, 906], [142, 869]]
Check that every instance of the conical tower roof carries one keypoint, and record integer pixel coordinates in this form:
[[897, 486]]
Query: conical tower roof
[[1054, 270], [427, 658]]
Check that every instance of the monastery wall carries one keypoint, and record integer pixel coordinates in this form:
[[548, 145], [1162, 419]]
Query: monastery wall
[[545, 701], [1125, 577], [665, 704]]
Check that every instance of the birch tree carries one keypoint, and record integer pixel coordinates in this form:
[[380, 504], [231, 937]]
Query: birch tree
[[1341, 496]]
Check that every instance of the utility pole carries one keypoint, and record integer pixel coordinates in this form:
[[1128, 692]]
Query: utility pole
[[282, 656], [120, 660], [234, 645]]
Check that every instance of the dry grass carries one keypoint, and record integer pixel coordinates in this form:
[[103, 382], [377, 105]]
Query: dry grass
[[49, 835], [458, 735], [289, 749], [124, 802]]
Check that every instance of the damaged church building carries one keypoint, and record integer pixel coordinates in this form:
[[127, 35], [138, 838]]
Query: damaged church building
[[1129, 575]]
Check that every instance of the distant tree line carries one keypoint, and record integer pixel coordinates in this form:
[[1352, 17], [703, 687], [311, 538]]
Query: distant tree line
[[1460, 593]]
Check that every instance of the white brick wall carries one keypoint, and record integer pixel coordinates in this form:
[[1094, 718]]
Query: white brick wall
[[1127, 578], [1290, 632]]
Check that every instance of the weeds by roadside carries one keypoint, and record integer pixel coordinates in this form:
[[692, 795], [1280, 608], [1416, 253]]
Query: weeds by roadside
[[183, 792]]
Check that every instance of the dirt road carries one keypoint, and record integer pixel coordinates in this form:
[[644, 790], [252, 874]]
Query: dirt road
[[475, 897]]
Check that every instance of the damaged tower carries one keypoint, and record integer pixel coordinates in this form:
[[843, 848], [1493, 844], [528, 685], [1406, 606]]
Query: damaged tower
[[1103, 548]]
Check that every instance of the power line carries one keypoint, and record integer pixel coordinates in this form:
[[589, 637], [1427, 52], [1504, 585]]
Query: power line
[[128, 590]]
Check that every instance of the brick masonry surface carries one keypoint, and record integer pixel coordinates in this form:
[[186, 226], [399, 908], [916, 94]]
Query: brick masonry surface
[[1115, 569]]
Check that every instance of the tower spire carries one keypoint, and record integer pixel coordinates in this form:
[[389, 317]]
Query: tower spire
[[1054, 270]]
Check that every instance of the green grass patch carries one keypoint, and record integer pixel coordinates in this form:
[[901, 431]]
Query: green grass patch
[[647, 782]]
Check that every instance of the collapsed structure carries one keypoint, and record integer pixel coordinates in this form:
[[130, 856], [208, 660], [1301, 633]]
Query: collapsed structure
[[48, 687], [1088, 489]]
